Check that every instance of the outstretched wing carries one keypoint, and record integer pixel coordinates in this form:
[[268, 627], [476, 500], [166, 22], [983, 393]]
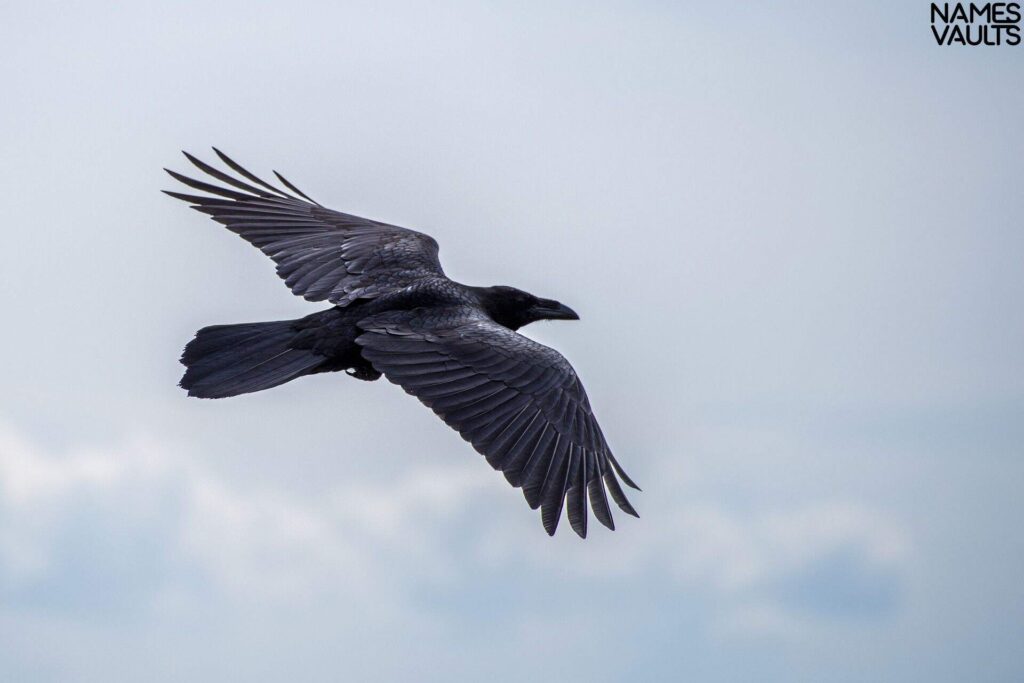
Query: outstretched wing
[[518, 402], [321, 254]]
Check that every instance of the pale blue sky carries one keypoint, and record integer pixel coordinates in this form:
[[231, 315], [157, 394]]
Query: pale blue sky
[[806, 216]]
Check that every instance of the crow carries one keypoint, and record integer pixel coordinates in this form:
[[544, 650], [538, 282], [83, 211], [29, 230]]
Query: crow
[[454, 347]]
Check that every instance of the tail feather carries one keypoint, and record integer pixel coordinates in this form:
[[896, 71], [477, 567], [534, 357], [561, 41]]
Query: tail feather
[[228, 360]]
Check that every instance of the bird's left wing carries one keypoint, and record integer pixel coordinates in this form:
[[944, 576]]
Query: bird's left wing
[[519, 403], [322, 255]]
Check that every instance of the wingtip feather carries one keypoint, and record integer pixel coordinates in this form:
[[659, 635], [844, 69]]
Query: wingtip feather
[[599, 502], [622, 474], [294, 189], [618, 496]]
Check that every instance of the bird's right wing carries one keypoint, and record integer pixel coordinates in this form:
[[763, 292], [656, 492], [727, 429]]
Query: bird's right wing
[[321, 254], [519, 403]]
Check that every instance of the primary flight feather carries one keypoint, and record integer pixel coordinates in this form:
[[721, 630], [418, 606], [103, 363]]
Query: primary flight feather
[[454, 347]]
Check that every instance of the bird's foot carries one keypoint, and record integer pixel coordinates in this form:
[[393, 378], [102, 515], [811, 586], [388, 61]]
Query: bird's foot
[[365, 374]]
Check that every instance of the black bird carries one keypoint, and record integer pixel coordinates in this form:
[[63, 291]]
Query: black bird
[[452, 346]]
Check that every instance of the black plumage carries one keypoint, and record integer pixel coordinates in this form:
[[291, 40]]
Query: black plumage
[[455, 347]]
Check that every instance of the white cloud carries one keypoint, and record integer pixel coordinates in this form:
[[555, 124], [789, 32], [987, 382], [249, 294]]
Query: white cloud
[[264, 541], [248, 540]]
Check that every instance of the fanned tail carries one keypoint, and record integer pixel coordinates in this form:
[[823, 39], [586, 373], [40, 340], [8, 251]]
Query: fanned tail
[[228, 360]]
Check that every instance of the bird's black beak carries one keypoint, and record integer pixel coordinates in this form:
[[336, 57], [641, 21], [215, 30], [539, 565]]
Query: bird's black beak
[[548, 309]]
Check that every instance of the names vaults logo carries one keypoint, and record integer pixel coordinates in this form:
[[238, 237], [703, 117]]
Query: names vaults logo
[[992, 23]]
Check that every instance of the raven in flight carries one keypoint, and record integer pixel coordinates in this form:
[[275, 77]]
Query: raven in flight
[[454, 347]]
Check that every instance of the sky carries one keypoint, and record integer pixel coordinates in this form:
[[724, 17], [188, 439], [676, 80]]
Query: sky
[[793, 236]]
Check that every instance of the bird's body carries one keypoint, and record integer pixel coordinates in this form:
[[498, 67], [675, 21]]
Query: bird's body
[[395, 313]]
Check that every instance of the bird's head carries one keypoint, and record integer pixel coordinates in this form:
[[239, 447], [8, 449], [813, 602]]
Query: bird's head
[[514, 308]]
